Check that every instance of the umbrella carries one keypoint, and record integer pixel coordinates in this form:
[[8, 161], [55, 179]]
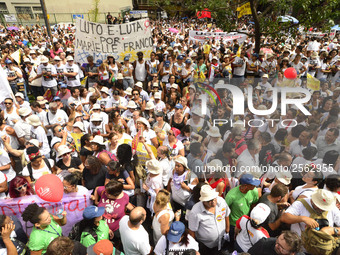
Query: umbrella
[[12, 28], [173, 30], [337, 27], [288, 18]]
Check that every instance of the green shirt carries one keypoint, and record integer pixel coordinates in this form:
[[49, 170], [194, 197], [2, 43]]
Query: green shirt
[[102, 232], [40, 239], [240, 203]]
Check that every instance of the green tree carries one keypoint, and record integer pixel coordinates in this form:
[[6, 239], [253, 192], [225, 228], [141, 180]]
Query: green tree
[[265, 13], [95, 11]]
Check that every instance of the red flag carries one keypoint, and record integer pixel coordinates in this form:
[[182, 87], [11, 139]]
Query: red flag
[[48, 95], [135, 142], [204, 14]]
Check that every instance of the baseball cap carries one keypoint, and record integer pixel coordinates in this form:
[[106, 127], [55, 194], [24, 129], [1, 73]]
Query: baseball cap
[[180, 57], [260, 213], [69, 58], [102, 247], [249, 179], [126, 58], [19, 94], [92, 212], [179, 106], [56, 98], [167, 63], [176, 231], [63, 86]]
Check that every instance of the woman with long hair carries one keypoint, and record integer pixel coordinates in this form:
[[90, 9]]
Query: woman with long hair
[[140, 102], [20, 187], [124, 156], [115, 119], [112, 145], [104, 74], [86, 149], [114, 68], [99, 150], [94, 173]]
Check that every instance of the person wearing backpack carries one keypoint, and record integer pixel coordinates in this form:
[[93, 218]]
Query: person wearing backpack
[[310, 216], [93, 228]]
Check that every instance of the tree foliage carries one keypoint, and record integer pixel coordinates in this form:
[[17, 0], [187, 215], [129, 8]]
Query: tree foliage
[[265, 13]]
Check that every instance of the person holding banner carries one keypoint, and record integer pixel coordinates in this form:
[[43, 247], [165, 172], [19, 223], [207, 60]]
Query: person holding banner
[[46, 227], [48, 73]]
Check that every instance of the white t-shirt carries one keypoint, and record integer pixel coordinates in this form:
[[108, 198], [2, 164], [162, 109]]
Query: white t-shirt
[[47, 80], [135, 242], [37, 173], [240, 71], [39, 134], [301, 191], [2, 179], [59, 118], [73, 81], [175, 248], [5, 160]]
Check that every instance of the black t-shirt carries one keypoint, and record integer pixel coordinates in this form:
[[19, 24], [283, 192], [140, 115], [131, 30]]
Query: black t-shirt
[[85, 152], [79, 249], [266, 154], [93, 181], [75, 163]]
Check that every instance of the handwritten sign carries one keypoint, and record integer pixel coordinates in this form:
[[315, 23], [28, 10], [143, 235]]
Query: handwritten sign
[[201, 36], [74, 204], [101, 40]]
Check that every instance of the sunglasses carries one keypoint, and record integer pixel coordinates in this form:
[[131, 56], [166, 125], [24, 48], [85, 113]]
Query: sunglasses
[[21, 187], [8, 103], [135, 94]]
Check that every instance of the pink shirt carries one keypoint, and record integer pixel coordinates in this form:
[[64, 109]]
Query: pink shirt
[[55, 53]]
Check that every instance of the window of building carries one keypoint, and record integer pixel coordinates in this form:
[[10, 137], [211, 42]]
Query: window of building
[[24, 12], [3, 8]]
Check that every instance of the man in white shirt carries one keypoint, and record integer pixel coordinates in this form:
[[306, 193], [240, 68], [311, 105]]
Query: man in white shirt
[[55, 116], [248, 161], [14, 75], [298, 145], [134, 237], [20, 98], [240, 64], [22, 128], [74, 98], [49, 74], [71, 73]]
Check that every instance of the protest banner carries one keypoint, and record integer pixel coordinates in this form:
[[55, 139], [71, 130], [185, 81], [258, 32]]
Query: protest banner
[[201, 36], [101, 40], [141, 152], [313, 83], [73, 203], [244, 10]]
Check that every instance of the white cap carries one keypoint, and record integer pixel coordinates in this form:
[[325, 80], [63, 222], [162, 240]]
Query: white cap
[[157, 95], [69, 58], [105, 90], [44, 60], [24, 111], [57, 58], [139, 84], [96, 117], [96, 107], [19, 94], [79, 125], [260, 213]]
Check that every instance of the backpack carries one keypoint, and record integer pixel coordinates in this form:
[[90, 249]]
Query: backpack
[[317, 242], [30, 170], [75, 233]]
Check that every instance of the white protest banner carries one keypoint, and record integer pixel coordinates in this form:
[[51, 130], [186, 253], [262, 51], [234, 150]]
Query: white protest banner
[[10, 18], [5, 89], [201, 36], [101, 40], [73, 203], [139, 14]]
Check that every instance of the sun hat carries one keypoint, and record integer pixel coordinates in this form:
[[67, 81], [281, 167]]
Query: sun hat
[[192, 86], [265, 76], [144, 121], [197, 111], [285, 58], [105, 90], [132, 105], [139, 84], [120, 76], [314, 54], [96, 107], [154, 166], [157, 95], [98, 139], [63, 149], [57, 58], [32, 52], [92, 212], [214, 132], [69, 58], [179, 106], [249, 179], [102, 247], [207, 193], [128, 91], [183, 161], [19, 94], [40, 98], [23, 112], [269, 55], [96, 117], [194, 54], [35, 142], [176, 231], [27, 60], [324, 199], [260, 213], [149, 106], [174, 86], [34, 120], [44, 60], [79, 125], [284, 176]]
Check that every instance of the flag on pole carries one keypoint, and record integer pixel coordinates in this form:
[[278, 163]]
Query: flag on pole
[[16, 56], [244, 10], [5, 89], [312, 82], [204, 14]]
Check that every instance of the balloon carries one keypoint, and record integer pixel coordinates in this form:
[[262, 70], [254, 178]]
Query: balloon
[[290, 73], [49, 188]]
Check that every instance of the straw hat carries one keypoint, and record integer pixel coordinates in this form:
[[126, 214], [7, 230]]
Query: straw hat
[[214, 132], [324, 199], [128, 91], [105, 90], [149, 106], [154, 166], [23, 112], [120, 76], [79, 125], [207, 193], [34, 120], [183, 161], [139, 84], [144, 121], [98, 139], [132, 105], [63, 149]]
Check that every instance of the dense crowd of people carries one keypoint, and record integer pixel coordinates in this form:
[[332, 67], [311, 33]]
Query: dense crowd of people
[[195, 186]]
